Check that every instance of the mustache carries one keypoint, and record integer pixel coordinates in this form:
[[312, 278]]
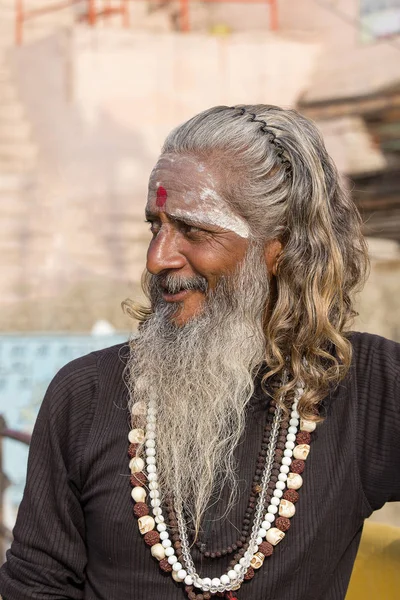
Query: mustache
[[175, 283]]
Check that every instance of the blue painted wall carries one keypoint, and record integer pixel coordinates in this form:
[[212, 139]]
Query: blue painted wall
[[27, 365]]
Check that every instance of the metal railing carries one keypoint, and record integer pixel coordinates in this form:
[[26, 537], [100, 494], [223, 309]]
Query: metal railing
[[24, 438], [96, 9]]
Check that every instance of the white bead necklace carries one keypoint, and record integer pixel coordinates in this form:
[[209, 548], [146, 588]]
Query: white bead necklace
[[262, 524]]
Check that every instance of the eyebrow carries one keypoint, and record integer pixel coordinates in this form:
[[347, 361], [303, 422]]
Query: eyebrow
[[232, 223], [186, 220]]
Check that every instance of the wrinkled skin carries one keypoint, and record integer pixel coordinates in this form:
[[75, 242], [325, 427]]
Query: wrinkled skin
[[196, 235]]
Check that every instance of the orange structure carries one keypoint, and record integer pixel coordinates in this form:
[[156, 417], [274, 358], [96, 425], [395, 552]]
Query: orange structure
[[96, 9]]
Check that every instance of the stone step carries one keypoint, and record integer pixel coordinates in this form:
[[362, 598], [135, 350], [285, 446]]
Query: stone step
[[10, 249], [19, 149], [17, 164], [5, 74], [10, 298], [13, 142], [10, 112], [13, 183], [5, 39], [19, 130], [8, 274], [10, 228], [8, 93], [10, 293], [13, 204]]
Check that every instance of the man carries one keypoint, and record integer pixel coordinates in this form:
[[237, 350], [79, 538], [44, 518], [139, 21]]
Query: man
[[260, 434]]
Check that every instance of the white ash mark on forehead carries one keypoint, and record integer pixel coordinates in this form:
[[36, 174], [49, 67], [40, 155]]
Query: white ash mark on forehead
[[195, 197], [215, 217], [208, 208], [210, 194], [225, 219]]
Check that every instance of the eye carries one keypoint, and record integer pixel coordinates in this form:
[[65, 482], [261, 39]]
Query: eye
[[154, 226], [190, 230]]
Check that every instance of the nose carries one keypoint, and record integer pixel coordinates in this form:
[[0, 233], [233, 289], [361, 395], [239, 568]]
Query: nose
[[163, 253]]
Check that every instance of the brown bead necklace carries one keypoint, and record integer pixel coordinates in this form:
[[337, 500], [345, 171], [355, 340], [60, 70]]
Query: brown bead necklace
[[166, 545], [254, 489]]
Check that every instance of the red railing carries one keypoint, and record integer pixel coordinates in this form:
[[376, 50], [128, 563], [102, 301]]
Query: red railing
[[18, 436], [24, 438], [94, 12]]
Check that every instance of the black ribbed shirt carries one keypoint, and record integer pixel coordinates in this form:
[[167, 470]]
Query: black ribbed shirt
[[76, 536]]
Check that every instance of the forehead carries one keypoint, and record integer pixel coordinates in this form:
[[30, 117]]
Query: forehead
[[178, 173], [186, 188]]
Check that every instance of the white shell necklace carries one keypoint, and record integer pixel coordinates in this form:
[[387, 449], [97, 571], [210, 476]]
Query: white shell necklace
[[183, 569]]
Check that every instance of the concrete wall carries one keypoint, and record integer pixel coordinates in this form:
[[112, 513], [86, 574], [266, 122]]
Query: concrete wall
[[379, 303], [334, 20], [100, 104]]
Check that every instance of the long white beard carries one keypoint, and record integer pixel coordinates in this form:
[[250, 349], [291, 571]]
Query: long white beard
[[201, 375]]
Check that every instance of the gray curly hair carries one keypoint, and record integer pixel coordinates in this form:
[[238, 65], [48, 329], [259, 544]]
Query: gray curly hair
[[280, 178]]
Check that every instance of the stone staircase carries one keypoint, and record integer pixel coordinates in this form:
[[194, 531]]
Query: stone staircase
[[33, 210], [34, 28], [19, 152], [18, 155]]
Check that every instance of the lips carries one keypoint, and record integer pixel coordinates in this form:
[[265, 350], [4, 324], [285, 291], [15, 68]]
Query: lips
[[176, 296], [173, 290], [176, 288]]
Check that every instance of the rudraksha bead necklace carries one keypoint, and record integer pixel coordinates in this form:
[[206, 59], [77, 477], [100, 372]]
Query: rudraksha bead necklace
[[254, 490], [174, 554]]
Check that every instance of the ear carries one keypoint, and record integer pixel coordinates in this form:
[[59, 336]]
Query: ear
[[272, 251]]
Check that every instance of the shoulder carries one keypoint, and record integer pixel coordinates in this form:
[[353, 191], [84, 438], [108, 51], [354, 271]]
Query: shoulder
[[88, 370], [374, 389], [373, 379], [373, 354], [82, 389], [78, 385]]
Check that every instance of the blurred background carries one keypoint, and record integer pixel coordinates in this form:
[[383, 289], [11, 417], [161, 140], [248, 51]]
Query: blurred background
[[88, 91]]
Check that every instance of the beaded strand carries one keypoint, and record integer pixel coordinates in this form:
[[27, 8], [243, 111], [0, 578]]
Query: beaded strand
[[174, 555], [233, 579], [255, 490]]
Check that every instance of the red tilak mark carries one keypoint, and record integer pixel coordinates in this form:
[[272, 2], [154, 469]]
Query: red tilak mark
[[161, 196], [230, 596]]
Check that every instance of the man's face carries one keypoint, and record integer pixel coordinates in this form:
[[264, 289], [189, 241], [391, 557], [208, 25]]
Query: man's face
[[197, 239]]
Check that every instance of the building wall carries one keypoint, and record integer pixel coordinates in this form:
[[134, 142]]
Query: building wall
[[100, 104], [334, 20]]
